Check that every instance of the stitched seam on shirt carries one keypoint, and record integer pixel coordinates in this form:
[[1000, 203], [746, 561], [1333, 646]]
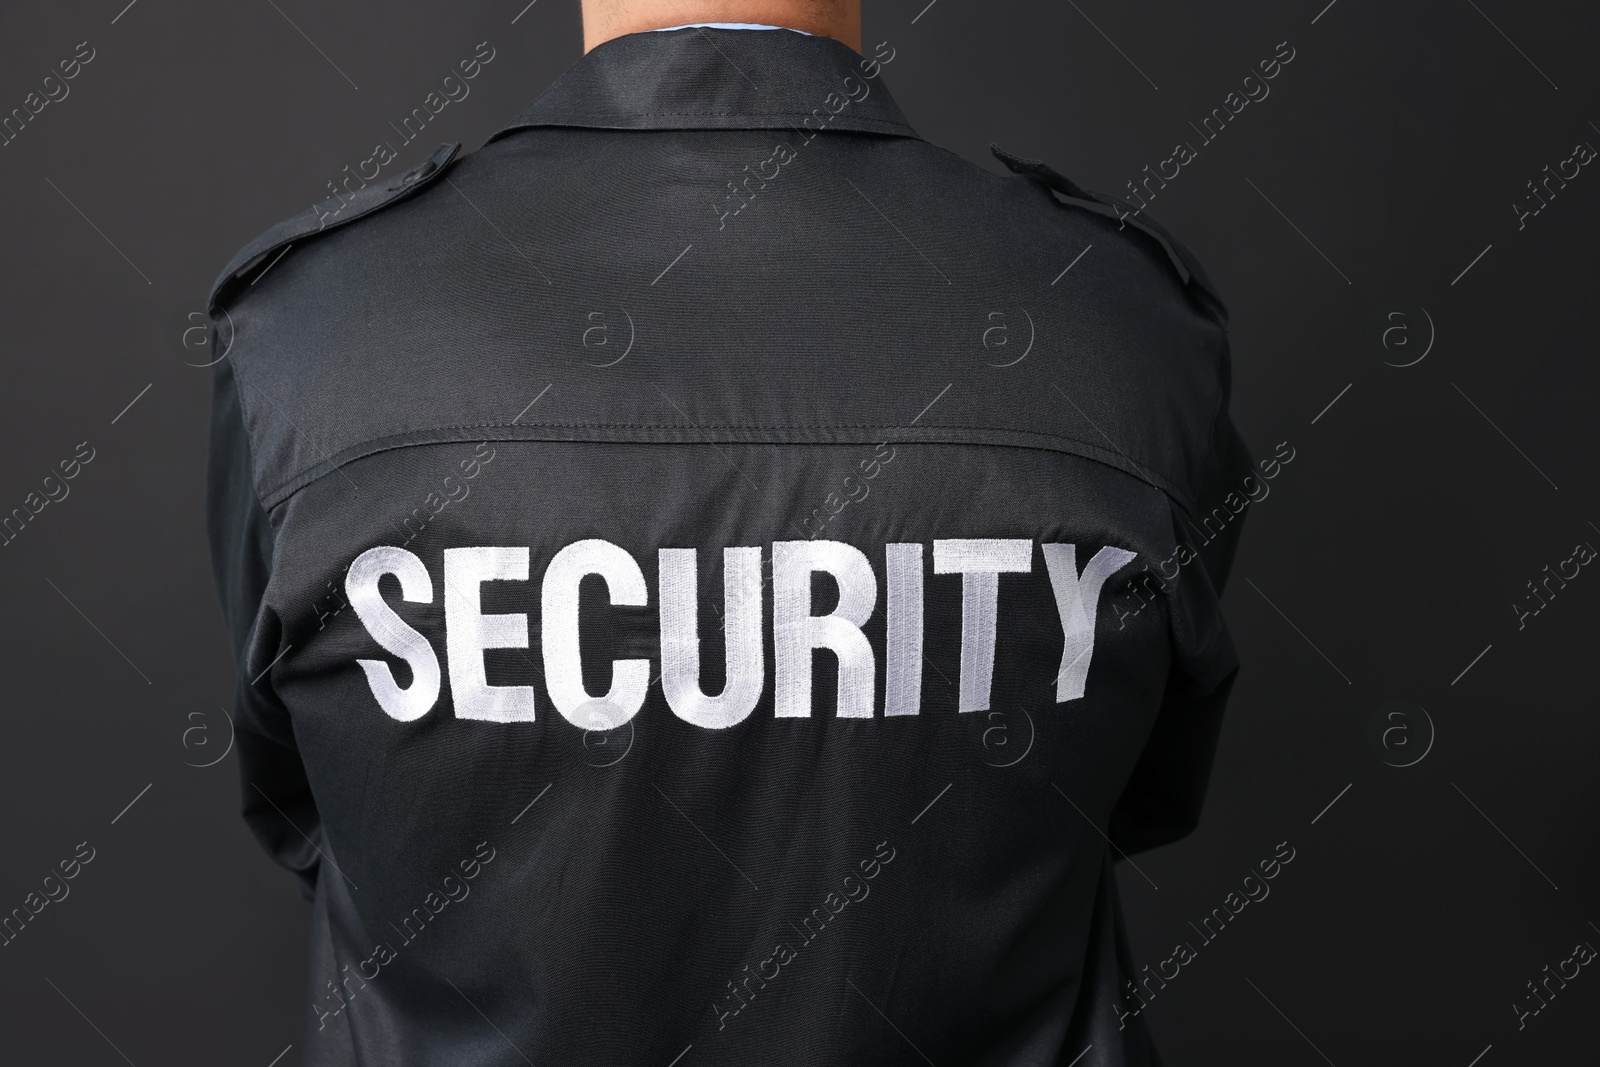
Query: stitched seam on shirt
[[286, 489]]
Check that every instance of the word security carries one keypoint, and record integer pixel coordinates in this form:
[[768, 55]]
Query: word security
[[796, 631]]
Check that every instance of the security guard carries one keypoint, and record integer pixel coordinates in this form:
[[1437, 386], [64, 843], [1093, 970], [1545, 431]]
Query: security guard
[[716, 579]]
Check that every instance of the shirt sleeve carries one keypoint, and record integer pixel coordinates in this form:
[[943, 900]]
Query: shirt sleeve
[[277, 801], [1162, 800]]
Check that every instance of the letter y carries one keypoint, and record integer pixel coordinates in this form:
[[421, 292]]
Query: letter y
[[1078, 602]]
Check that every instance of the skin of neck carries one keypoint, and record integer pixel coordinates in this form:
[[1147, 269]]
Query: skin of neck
[[606, 19]]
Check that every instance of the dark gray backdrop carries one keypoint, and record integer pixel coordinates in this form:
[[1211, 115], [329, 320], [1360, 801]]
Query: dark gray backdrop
[[1337, 215]]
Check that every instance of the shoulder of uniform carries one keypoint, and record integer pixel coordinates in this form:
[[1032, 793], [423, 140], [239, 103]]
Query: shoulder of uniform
[[1070, 193], [328, 215]]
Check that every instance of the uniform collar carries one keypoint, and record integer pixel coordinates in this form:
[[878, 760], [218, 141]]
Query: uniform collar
[[708, 79]]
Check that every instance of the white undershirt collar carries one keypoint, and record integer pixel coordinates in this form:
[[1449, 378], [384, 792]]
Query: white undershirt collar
[[728, 26]]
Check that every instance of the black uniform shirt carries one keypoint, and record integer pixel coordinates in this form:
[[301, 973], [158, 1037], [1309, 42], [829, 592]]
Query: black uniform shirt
[[717, 579]]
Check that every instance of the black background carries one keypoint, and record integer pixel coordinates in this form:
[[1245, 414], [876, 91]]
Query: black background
[[1386, 558]]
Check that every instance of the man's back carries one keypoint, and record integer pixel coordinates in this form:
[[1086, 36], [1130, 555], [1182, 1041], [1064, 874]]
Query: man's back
[[722, 577]]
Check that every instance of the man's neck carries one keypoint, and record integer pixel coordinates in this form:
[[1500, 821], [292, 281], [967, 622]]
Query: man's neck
[[605, 19]]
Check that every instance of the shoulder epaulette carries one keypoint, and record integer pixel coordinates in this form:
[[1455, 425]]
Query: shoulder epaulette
[[329, 214], [1069, 192]]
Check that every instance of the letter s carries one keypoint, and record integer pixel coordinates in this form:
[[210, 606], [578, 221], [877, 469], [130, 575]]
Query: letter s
[[391, 632]]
